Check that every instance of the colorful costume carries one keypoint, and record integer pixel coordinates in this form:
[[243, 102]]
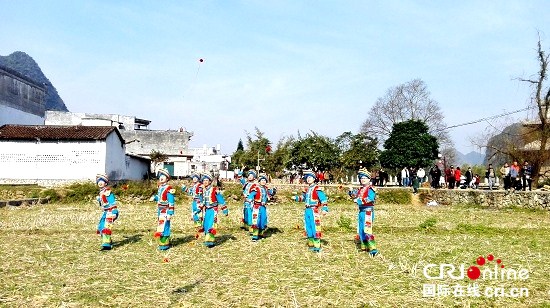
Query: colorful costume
[[195, 191], [248, 185], [316, 204], [365, 197], [259, 196], [107, 203], [212, 199], [165, 201]]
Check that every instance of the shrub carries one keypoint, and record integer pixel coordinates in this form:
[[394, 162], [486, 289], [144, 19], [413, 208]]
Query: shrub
[[142, 189], [428, 224], [344, 223], [51, 194], [393, 196], [80, 192]]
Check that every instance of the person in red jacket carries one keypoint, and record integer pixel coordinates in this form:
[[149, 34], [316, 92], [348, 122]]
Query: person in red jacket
[[457, 177]]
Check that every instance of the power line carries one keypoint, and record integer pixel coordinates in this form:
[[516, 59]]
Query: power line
[[487, 118]]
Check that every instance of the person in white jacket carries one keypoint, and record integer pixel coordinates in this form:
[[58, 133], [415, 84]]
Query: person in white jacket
[[421, 174]]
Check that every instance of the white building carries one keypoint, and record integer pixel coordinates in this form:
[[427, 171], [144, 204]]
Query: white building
[[21, 99], [39, 154], [140, 141]]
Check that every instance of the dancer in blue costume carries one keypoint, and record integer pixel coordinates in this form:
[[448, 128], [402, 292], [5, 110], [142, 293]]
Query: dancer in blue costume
[[195, 191], [107, 203], [248, 185], [365, 197], [316, 206], [212, 200], [258, 197], [165, 201]]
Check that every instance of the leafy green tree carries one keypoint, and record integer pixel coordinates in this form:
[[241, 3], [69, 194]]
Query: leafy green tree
[[280, 159], [409, 144], [240, 146], [236, 158], [255, 153], [315, 152], [355, 148], [158, 156]]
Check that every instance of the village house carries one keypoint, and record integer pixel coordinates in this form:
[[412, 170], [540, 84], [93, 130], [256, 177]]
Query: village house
[[46, 155], [21, 99], [141, 141]]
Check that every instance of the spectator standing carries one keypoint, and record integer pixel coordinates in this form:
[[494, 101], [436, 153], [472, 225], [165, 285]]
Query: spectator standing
[[457, 176], [405, 177], [421, 175], [326, 176], [383, 177], [415, 180], [469, 176], [450, 175], [526, 175], [490, 175], [505, 173], [514, 176], [435, 173]]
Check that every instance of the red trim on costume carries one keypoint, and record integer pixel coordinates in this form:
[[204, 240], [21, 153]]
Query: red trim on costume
[[164, 195]]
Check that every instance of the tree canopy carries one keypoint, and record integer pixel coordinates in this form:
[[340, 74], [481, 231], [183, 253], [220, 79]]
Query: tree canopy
[[409, 144], [314, 152], [355, 148]]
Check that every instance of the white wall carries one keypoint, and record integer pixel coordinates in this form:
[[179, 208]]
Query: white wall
[[51, 160], [115, 158], [10, 115]]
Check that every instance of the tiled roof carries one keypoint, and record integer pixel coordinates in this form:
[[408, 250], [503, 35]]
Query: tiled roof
[[54, 132]]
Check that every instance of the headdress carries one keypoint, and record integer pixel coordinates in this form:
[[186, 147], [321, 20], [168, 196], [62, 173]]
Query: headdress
[[206, 176], [363, 172], [101, 177], [307, 173], [163, 171]]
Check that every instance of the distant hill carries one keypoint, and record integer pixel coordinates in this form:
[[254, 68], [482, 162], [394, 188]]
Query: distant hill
[[472, 158], [26, 66], [510, 134]]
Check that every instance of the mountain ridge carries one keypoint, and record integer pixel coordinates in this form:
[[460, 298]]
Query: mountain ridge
[[471, 158], [26, 66]]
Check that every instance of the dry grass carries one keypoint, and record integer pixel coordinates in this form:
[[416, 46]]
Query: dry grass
[[50, 257]]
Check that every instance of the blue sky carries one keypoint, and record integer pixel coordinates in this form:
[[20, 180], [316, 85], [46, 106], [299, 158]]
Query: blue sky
[[281, 66]]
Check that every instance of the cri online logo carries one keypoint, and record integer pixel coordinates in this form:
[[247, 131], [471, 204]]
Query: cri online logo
[[482, 269]]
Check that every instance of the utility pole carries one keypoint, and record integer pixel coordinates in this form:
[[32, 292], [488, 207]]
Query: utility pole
[[259, 159]]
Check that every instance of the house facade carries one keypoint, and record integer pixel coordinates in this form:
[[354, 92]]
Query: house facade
[[22, 100], [38, 154], [140, 141]]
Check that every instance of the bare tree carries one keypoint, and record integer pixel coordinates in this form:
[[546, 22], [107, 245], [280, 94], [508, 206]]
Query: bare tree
[[536, 148], [408, 101], [527, 140]]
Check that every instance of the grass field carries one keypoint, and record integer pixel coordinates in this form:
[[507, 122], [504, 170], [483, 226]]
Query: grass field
[[50, 257]]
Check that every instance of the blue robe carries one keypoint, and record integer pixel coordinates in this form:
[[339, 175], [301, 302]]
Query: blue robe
[[212, 199], [107, 203], [315, 203], [165, 202]]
